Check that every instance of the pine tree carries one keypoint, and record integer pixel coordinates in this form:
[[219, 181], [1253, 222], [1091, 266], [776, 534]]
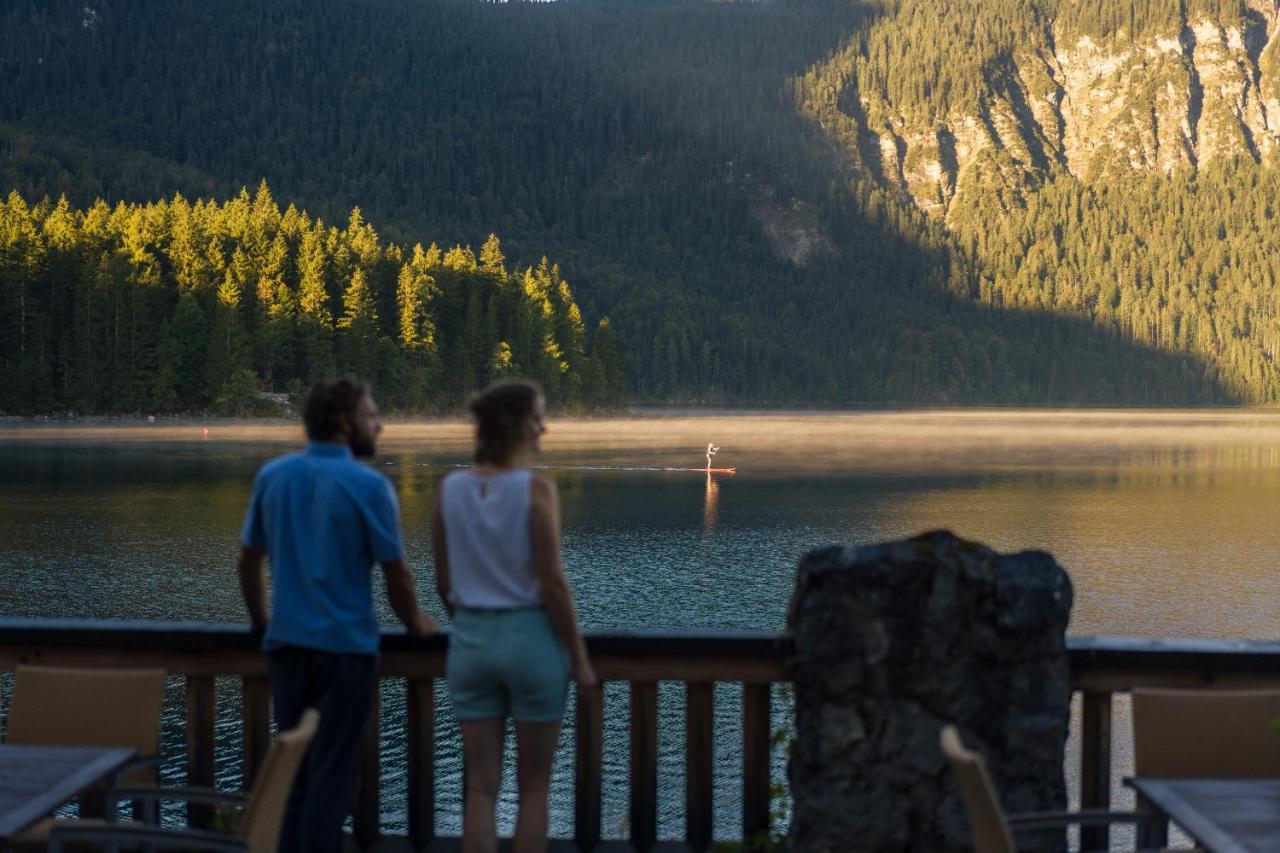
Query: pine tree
[[358, 329], [606, 353], [492, 260]]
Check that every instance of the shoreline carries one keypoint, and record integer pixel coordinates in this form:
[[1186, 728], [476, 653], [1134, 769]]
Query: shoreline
[[964, 440]]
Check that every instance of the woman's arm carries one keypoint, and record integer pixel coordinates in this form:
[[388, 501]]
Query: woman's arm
[[544, 520], [441, 555]]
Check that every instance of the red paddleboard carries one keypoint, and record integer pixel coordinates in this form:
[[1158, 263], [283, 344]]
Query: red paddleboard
[[714, 470]]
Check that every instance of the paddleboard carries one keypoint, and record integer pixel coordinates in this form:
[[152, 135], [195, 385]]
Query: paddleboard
[[714, 470]]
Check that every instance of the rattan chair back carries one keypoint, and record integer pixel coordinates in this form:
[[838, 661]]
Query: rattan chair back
[[264, 813], [1222, 734], [986, 816], [62, 706]]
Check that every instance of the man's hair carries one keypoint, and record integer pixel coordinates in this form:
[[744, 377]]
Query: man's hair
[[327, 403], [500, 411]]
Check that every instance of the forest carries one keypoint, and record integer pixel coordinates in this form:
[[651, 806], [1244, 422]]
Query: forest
[[179, 307], [724, 248]]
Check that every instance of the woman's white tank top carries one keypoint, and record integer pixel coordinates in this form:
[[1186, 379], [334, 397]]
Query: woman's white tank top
[[487, 535]]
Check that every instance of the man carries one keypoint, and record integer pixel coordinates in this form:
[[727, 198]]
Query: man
[[324, 519]]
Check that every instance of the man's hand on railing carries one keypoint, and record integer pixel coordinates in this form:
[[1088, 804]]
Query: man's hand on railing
[[402, 593], [423, 625]]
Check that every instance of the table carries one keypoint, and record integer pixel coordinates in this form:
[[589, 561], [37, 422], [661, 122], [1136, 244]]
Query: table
[[35, 780], [1222, 815]]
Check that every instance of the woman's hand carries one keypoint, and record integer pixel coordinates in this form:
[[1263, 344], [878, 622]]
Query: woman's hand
[[583, 673]]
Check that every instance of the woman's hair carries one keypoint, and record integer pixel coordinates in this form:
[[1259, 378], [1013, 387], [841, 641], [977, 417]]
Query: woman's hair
[[500, 412]]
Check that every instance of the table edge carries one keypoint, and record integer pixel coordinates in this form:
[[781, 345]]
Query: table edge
[[22, 818]]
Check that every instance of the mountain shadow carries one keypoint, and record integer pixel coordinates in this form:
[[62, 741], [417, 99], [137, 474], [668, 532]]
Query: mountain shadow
[[653, 149]]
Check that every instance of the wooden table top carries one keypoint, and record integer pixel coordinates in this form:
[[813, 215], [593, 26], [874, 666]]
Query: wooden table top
[[35, 780], [1222, 815]]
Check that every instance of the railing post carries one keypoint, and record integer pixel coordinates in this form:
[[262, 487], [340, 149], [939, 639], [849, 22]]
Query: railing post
[[699, 735], [255, 725], [589, 735], [420, 741], [1095, 764], [755, 759], [366, 818], [201, 717], [644, 764]]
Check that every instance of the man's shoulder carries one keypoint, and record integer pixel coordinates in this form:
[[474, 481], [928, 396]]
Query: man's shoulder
[[363, 475], [280, 464]]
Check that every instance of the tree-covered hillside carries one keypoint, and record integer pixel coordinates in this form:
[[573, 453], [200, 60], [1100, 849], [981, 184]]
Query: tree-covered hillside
[[175, 306], [696, 168], [1113, 160]]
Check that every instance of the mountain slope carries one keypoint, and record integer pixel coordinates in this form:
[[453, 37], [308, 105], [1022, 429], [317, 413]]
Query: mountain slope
[[1013, 90], [1107, 160], [664, 153]]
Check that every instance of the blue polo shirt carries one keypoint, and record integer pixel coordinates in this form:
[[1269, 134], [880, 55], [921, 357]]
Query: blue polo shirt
[[324, 520]]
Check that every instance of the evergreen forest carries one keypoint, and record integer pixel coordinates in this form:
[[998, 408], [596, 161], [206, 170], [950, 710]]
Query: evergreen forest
[[174, 307], [699, 171]]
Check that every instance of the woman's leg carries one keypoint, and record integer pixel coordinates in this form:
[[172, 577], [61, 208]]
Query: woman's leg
[[482, 754], [536, 746]]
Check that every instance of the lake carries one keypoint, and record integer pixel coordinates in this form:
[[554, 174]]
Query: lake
[[1164, 519]]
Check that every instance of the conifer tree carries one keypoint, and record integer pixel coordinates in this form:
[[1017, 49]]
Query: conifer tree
[[358, 329], [492, 260]]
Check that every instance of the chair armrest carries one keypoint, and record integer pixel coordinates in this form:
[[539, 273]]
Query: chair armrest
[[134, 766], [195, 795], [1029, 821], [162, 839]]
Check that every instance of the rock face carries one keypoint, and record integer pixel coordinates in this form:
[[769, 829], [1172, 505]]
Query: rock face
[[1198, 90], [893, 641]]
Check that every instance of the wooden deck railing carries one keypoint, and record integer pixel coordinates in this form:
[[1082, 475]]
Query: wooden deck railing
[[202, 652], [1101, 667]]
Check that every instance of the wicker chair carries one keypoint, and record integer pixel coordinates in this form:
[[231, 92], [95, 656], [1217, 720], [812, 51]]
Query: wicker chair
[[60, 706], [258, 830], [1208, 734], [992, 830]]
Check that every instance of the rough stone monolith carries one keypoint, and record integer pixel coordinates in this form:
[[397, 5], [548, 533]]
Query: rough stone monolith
[[892, 642]]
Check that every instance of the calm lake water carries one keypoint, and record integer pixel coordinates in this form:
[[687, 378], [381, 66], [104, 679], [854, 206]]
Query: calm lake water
[[1165, 520]]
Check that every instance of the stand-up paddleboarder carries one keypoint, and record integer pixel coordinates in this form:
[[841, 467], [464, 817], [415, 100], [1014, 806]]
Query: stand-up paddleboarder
[[711, 451]]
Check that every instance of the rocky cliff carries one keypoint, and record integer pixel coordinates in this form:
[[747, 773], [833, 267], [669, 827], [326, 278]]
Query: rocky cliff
[[1171, 94]]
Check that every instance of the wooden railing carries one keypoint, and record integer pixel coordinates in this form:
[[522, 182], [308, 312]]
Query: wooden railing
[[1101, 667], [203, 652]]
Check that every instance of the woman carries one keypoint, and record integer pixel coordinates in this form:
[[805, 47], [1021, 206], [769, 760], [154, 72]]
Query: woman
[[515, 638]]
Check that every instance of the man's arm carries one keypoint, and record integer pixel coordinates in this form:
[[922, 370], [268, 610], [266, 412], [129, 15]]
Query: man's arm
[[253, 586], [383, 520], [402, 592]]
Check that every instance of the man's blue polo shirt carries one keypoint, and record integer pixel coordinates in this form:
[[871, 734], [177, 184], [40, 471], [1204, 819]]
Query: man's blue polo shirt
[[324, 520]]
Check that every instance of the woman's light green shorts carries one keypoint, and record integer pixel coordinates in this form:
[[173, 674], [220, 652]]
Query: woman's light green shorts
[[506, 662]]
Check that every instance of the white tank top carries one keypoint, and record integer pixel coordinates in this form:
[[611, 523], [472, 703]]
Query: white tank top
[[487, 535]]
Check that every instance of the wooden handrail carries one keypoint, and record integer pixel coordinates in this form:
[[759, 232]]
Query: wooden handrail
[[203, 651], [1101, 667]]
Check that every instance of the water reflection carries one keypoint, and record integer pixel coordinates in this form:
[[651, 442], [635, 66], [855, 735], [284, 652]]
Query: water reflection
[[710, 507]]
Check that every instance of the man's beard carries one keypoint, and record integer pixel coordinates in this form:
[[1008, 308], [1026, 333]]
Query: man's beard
[[362, 446]]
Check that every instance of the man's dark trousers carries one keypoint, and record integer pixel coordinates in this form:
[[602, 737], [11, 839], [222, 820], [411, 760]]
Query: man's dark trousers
[[340, 687]]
